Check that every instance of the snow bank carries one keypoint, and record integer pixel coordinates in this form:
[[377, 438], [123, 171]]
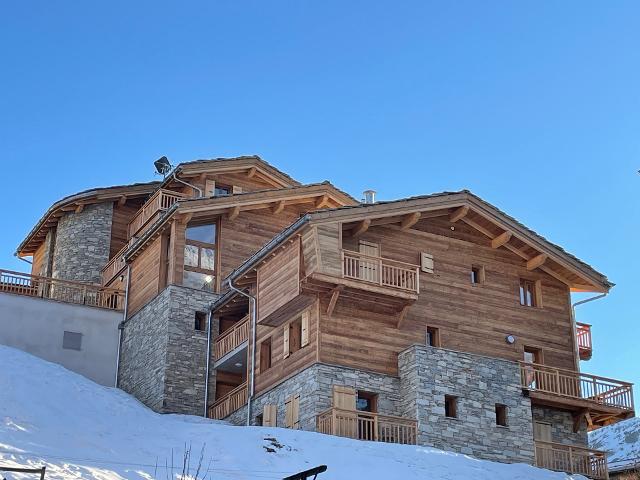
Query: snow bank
[[49, 415], [621, 441]]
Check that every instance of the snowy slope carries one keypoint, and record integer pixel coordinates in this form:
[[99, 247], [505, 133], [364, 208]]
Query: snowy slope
[[622, 442], [51, 416]]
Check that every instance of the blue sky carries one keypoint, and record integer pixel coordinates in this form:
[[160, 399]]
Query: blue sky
[[534, 106]]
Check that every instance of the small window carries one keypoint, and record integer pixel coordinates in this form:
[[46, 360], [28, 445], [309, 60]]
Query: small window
[[265, 355], [528, 297], [295, 335], [501, 415], [477, 275], [433, 337], [200, 323], [259, 420], [221, 191], [451, 406], [72, 341]]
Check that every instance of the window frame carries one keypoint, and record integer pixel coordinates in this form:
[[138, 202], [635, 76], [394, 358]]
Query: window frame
[[200, 318], [534, 288], [502, 415], [263, 357], [451, 406], [200, 246], [477, 274], [434, 333]]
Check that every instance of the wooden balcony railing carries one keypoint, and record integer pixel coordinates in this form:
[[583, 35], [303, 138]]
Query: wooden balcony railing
[[583, 334], [228, 404], [231, 339], [567, 383], [570, 459], [115, 266], [367, 426], [381, 271], [61, 290], [159, 202]]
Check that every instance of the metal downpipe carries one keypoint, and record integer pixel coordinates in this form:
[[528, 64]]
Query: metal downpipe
[[206, 378], [124, 319]]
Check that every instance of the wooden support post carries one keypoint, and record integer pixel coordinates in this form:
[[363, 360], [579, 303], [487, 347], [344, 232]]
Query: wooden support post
[[361, 227], [122, 201], [335, 294], [251, 172], [322, 202], [79, 208], [459, 213], [501, 239], [402, 315], [409, 220], [233, 213], [536, 261], [278, 207]]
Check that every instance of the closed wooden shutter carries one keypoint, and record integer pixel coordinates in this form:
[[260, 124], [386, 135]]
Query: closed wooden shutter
[[344, 397], [368, 267], [236, 189], [542, 431], [269, 416], [286, 341], [426, 262], [292, 412], [305, 329]]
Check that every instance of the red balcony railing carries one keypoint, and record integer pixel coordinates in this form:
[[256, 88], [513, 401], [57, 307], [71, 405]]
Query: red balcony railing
[[583, 334]]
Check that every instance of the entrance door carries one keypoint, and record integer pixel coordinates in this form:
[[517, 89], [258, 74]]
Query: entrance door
[[532, 377], [368, 268]]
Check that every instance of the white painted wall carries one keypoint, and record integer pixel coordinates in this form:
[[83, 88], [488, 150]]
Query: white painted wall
[[37, 326]]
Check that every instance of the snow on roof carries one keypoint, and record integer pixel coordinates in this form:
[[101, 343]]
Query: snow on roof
[[622, 443]]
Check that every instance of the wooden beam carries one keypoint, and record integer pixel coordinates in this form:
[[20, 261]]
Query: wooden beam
[[186, 218], [361, 227], [79, 208], [278, 207], [402, 315], [251, 172], [335, 294], [322, 202], [536, 261], [501, 239], [410, 220], [233, 213], [122, 200], [459, 213], [202, 178]]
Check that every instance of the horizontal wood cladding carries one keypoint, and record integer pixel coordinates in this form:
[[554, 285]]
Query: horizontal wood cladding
[[471, 318], [281, 367], [145, 275], [328, 248], [37, 266], [309, 251], [122, 215], [279, 280]]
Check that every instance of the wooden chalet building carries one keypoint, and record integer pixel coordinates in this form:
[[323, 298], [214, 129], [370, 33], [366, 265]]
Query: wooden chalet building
[[435, 320]]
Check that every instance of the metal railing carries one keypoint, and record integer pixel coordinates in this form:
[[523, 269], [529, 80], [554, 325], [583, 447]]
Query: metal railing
[[231, 339], [583, 386], [381, 271], [61, 290], [367, 426], [159, 202], [570, 459], [583, 335], [228, 404]]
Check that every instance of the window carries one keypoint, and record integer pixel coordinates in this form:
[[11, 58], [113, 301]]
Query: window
[[501, 415], [477, 275], [367, 402], [295, 335], [265, 355], [451, 406], [260, 420], [530, 292], [200, 256], [433, 337], [200, 323], [221, 190], [72, 341], [532, 355]]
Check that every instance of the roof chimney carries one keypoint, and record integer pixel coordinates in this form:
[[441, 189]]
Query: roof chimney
[[369, 196]]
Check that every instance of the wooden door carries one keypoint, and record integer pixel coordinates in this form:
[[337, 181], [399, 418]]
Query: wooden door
[[368, 267], [345, 417], [542, 431]]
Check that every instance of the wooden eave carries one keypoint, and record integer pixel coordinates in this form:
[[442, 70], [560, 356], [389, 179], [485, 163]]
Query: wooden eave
[[76, 203], [252, 166], [465, 207]]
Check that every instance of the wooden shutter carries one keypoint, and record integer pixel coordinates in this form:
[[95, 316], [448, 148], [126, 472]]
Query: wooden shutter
[[426, 262], [286, 341], [542, 431], [305, 329], [236, 189], [209, 187], [344, 397], [292, 412], [269, 416]]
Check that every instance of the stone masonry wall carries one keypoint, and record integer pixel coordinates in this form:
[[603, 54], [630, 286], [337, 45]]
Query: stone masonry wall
[[561, 426], [427, 374], [315, 386], [163, 356], [82, 243]]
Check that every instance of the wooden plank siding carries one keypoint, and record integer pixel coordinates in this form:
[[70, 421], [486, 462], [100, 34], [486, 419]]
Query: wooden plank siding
[[471, 318], [37, 266], [145, 277], [122, 215], [279, 280]]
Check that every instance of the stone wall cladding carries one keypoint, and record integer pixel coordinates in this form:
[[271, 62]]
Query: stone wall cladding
[[163, 357], [315, 386], [82, 243], [427, 374], [562, 426]]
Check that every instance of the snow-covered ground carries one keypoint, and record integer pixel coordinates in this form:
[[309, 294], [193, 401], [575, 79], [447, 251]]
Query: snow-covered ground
[[78, 429], [621, 441]]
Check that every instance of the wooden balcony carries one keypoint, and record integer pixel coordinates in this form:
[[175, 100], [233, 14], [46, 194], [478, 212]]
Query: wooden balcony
[[61, 290], [152, 209], [231, 339], [602, 400], [115, 266], [573, 460], [228, 404], [367, 426], [380, 271], [583, 335]]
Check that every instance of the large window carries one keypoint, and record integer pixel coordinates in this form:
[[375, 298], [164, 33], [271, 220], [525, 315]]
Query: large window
[[200, 256]]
